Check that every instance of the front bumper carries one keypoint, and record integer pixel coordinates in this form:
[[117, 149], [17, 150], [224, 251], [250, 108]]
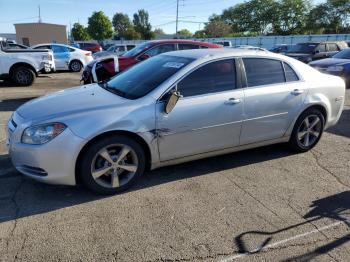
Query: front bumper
[[52, 163]]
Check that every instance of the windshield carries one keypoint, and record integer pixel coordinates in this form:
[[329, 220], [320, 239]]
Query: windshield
[[146, 76], [138, 49], [345, 54], [302, 48]]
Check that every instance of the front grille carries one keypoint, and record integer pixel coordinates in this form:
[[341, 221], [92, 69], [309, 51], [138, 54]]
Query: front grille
[[30, 170]]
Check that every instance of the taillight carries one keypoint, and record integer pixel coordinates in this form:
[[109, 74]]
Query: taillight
[[88, 54], [100, 48]]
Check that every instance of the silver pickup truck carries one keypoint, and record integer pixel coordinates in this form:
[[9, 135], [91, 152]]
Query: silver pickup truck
[[22, 66]]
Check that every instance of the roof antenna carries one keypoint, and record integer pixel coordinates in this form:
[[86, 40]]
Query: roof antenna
[[39, 15]]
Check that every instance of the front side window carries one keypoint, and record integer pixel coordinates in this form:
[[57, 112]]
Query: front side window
[[43, 47], [160, 49], [321, 48], [142, 78], [262, 71], [211, 78]]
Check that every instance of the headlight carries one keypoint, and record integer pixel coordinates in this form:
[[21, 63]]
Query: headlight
[[41, 134], [335, 69]]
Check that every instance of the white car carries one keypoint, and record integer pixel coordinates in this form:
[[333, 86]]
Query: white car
[[21, 66], [67, 57]]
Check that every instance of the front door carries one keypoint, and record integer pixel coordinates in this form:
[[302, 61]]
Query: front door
[[207, 118], [273, 98]]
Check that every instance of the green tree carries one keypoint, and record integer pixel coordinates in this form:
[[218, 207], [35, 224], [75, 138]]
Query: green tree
[[184, 33], [123, 27], [99, 26], [142, 24], [216, 27], [291, 16], [317, 20], [79, 32], [159, 31], [200, 34]]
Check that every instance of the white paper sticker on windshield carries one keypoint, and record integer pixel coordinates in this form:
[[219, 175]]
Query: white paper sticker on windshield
[[173, 64]]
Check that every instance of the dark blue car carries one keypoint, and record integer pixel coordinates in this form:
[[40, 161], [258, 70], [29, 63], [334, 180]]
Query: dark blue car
[[338, 65]]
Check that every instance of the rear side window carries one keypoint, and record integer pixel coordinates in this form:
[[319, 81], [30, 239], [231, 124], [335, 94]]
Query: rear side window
[[59, 49], [262, 71], [43, 47], [187, 46], [333, 47], [211, 78], [160, 49], [290, 73]]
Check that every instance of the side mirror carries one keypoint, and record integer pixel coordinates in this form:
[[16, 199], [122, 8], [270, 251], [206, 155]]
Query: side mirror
[[171, 101], [144, 57]]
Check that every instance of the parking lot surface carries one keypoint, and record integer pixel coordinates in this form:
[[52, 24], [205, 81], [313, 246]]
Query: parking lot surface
[[262, 204]]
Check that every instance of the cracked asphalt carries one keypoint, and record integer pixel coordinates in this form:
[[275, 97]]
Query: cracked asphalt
[[265, 204]]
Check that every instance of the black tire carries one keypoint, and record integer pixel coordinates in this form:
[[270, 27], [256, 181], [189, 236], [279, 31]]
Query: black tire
[[294, 142], [86, 162], [23, 76], [75, 66]]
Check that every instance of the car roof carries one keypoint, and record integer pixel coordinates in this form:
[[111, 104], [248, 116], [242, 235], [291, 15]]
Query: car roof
[[221, 53], [56, 44]]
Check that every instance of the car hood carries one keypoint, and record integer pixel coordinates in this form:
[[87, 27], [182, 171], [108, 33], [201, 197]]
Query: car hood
[[330, 62], [78, 100]]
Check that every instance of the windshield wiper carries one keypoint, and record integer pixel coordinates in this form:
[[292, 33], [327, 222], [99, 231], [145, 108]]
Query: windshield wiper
[[104, 85]]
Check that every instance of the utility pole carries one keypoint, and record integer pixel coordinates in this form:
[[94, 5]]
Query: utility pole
[[39, 15], [177, 16]]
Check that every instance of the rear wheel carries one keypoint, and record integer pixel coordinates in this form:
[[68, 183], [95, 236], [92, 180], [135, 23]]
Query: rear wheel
[[112, 164], [23, 76], [75, 66], [307, 130]]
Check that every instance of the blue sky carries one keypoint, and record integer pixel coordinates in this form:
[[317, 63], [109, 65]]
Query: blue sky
[[162, 13]]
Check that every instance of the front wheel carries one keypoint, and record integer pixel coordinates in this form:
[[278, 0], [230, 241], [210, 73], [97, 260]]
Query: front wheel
[[307, 131], [112, 164]]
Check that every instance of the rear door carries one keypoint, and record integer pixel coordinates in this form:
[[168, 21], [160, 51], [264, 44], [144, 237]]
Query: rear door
[[273, 97]]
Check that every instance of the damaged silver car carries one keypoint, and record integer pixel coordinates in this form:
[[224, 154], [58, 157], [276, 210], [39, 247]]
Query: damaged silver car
[[172, 108]]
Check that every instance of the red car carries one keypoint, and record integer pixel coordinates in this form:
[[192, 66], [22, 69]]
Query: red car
[[93, 47], [153, 48], [104, 67]]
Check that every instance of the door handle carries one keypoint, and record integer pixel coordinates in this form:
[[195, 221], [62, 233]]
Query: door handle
[[297, 92], [233, 101]]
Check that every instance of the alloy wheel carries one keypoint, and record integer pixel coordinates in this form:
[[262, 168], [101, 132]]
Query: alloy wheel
[[309, 131], [75, 66], [23, 77], [114, 166]]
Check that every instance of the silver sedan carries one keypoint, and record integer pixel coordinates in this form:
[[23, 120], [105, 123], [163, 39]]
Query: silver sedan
[[173, 108]]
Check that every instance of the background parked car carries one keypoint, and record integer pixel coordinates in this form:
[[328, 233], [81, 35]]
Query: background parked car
[[67, 57], [338, 65], [92, 47], [15, 46], [22, 66], [114, 49], [281, 49], [307, 52], [145, 51], [223, 43]]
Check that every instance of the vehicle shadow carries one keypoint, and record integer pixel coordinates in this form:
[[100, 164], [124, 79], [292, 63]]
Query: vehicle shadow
[[30, 198], [333, 207], [13, 104], [342, 128]]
